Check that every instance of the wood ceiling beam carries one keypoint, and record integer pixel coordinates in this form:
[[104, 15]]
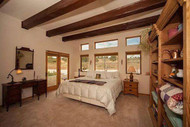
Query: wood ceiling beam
[[135, 8], [56, 10], [112, 29]]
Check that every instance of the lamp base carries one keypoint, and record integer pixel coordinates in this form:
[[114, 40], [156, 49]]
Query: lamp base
[[131, 77]]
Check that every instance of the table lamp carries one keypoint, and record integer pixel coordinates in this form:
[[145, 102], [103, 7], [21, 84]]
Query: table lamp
[[131, 70], [19, 71]]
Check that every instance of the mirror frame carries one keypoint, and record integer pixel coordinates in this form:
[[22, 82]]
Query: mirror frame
[[24, 49]]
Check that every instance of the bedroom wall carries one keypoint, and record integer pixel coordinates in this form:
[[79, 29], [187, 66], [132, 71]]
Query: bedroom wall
[[121, 49], [12, 35]]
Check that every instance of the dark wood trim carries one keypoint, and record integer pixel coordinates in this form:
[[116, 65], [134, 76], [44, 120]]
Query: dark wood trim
[[106, 41], [112, 29], [105, 54], [81, 61], [134, 8], [134, 53], [54, 11], [131, 37]]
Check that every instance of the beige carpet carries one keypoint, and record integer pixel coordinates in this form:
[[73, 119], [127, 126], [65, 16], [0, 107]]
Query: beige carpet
[[62, 112]]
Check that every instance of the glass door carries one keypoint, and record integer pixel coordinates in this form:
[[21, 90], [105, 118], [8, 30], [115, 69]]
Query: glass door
[[57, 69], [64, 68], [52, 71]]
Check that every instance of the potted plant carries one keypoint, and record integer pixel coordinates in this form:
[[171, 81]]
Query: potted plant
[[144, 45]]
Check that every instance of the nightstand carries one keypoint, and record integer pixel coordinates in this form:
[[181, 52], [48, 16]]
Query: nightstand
[[131, 87]]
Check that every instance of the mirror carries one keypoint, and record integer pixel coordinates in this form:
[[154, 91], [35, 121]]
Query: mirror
[[24, 58]]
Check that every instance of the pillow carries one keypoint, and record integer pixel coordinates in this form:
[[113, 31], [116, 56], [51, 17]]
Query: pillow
[[109, 75], [112, 75], [89, 74]]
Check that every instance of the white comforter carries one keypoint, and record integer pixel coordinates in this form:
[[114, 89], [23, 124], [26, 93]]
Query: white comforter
[[106, 94]]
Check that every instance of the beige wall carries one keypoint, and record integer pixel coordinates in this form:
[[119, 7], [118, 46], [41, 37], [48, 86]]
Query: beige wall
[[121, 49], [12, 35]]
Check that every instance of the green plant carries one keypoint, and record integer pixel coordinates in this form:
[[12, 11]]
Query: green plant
[[144, 45]]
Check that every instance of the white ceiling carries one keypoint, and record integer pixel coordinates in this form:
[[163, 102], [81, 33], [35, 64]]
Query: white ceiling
[[23, 9]]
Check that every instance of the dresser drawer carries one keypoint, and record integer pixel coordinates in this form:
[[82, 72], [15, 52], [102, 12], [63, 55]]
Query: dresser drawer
[[131, 90], [131, 85]]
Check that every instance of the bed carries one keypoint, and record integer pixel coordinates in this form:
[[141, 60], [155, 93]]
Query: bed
[[103, 96]]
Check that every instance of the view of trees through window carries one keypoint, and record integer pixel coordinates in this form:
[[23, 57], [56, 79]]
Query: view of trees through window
[[85, 63], [106, 62], [134, 60], [106, 44]]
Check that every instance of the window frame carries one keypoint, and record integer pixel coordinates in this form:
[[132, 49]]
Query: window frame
[[106, 54], [130, 38], [134, 53], [85, 44], [106, 41], [81, 61]]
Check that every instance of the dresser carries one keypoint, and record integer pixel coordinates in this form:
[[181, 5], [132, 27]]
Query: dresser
[[12, 93], [131, 87]]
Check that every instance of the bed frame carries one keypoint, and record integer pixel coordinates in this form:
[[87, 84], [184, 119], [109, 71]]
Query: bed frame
[[86, 100]]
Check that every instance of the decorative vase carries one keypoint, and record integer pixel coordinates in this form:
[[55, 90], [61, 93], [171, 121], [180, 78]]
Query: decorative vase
[[180, 73]]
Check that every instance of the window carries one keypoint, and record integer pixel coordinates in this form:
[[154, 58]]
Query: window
[[85, 47], [84, 62], [133, 59], [106, 44], [133, 40], [108, 62]]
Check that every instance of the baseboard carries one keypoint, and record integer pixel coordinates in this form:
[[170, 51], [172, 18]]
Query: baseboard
[[144, 94]]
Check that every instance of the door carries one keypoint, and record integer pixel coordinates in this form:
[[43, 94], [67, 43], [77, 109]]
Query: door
[[64, 73], [57, 69]]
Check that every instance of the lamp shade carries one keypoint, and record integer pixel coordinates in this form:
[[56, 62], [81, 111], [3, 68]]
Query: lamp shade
[[131, 69], [19, 71]]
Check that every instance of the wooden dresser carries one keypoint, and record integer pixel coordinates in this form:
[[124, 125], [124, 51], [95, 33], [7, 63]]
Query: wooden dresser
[[131, 87], [12, 93]]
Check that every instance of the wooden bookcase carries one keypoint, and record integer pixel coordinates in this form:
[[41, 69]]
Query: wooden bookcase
[[175, 12]]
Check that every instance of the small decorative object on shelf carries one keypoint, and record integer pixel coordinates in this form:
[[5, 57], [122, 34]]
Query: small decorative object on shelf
[[174, 71], [181, 54], [175, 53], [24, 79], [180, 27], [166, 55], [180, 73]]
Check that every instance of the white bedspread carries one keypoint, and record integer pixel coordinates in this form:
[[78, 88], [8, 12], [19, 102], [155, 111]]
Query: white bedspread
[[106, 94]]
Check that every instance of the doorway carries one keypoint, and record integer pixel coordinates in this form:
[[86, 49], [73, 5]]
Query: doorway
[[57, 69]]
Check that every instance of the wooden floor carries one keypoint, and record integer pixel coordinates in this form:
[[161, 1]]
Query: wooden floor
[[60, 111]]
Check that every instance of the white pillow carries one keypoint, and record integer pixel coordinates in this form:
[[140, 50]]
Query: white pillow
[[109, 75], [90, 74], [112, 75]]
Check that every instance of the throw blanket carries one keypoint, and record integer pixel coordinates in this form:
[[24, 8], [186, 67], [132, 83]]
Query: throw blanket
[[90, 82], [173, 96]]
